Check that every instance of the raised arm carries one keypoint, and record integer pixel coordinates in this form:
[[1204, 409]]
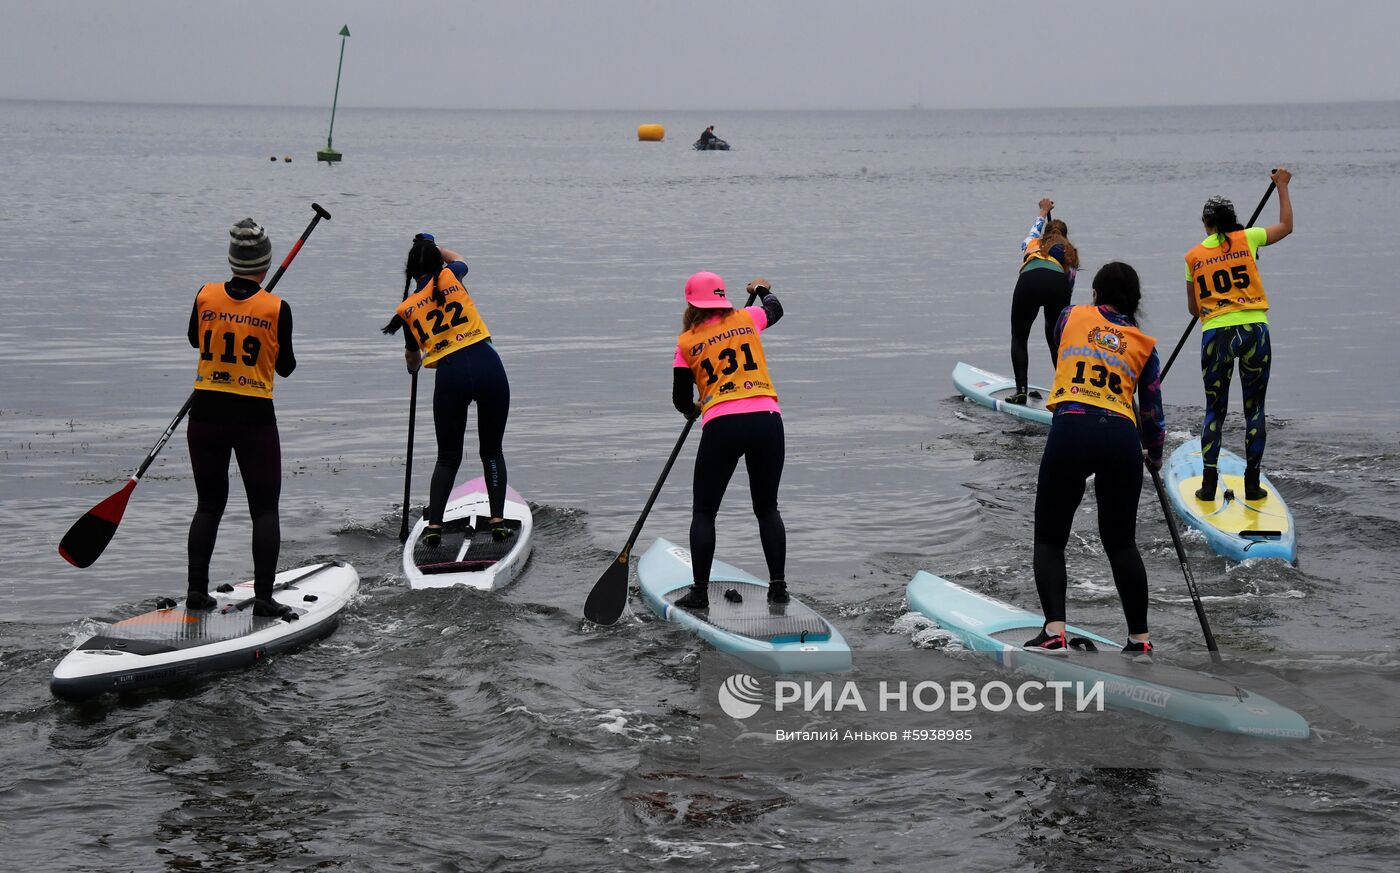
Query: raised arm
[[1280, 178]]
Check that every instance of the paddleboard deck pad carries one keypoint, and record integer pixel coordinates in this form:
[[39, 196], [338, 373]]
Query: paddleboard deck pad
[[985, 624], [777, 638], [1235, 528], [469, 553], [991, 390], [172, 644]]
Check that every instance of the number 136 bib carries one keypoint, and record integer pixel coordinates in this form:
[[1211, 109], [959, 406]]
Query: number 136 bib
[[1099, 362]]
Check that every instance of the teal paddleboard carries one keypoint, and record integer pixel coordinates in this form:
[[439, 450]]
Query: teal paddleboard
[[786, 638]]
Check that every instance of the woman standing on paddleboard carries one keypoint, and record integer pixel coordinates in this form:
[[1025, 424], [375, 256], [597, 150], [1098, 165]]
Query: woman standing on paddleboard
[[446, 333], [720, 353], [1049, 263], [1103, 359], [244, 337], [1223, 288]]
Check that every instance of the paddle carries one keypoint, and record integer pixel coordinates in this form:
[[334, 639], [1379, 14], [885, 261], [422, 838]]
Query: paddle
[[89, 535], [1180, 551], [608, 598], [1185, 565], [408, 466], [1186, 333]]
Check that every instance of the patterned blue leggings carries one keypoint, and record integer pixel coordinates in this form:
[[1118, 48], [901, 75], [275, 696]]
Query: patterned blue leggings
[[1220, 348]]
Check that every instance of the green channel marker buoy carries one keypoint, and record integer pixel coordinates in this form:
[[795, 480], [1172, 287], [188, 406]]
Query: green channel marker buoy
[[328, 154]]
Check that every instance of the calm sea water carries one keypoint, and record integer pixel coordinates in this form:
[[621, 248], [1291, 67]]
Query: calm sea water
[[458, 730]]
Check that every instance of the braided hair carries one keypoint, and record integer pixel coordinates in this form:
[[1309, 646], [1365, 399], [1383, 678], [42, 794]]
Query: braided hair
[[424, 258]]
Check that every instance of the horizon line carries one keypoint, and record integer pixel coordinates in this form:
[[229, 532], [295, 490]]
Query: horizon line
[[912, 107]]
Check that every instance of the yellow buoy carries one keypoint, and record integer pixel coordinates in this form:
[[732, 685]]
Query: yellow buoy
[[651, 133]]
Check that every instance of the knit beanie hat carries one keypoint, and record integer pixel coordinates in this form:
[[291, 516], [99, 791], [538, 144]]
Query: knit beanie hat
[[249, 249]]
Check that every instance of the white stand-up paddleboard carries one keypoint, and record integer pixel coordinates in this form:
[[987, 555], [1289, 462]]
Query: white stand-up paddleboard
[[786, 638], [172, 644], [1159, 690], [991, 390], [469, 554], [1235, 528]]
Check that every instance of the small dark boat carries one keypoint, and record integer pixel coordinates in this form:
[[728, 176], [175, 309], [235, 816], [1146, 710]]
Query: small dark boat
[[714, 145]]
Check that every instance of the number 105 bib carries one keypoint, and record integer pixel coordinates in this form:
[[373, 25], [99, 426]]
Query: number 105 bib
[[1099, 362], [442, 329], [726, 358]]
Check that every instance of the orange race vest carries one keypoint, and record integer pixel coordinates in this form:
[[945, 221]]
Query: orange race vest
[[1099, 362], [237, 341], [1226, 281], [1033, 253], [443, 329], [726, 359]]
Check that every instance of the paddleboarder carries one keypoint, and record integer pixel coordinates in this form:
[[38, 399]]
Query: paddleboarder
[[446, 333], [1049, 263], [719, 352], [1104, 358], [244, 338], [1223, 288]]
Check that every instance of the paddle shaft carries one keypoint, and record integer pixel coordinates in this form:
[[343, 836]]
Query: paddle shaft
[[408, 464], [1185, 565], [1186, 333], [665, 471]]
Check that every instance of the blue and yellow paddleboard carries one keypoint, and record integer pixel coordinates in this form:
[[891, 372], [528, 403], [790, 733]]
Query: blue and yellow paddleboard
[[1235, 528]]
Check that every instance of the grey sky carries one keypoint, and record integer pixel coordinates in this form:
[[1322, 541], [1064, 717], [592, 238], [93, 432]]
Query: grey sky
[[701, 54]]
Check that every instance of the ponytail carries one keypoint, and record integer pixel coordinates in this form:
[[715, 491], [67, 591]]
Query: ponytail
[[424, 259], [1219, 215]]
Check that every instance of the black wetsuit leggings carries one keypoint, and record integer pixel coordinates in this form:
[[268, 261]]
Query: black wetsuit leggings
[[471, 375], [1037, 289], [1108, 447], [758, 438], [259, 453]]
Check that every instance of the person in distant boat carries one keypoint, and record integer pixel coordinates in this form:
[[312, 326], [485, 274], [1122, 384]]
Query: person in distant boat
[[708, 136], [1104, 359], [244, 338], [1223, 288], [719, 352], [1049, 263], [445, 332]]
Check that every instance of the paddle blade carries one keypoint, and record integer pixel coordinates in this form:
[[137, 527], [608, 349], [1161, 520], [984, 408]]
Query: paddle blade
[[89, 535], [608, 598]]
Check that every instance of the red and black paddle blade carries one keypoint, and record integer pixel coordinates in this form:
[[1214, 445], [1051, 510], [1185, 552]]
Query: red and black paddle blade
[[608, 598], [89, 535]]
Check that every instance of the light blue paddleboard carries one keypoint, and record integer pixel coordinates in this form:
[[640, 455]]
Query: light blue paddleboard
[[787, 638], [1235, 528], [985, 624], [991, 390]]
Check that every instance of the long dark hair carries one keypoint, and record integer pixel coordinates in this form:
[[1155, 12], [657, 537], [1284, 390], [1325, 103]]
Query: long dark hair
[[424, 258], [1116, 284], [1219, 214], [1057, 233]]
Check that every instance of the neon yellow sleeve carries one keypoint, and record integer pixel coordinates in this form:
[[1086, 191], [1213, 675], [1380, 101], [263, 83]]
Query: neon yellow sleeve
[[1257, 236]]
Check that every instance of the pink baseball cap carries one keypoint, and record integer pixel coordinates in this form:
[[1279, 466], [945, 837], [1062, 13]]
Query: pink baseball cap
[[706, 291]]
